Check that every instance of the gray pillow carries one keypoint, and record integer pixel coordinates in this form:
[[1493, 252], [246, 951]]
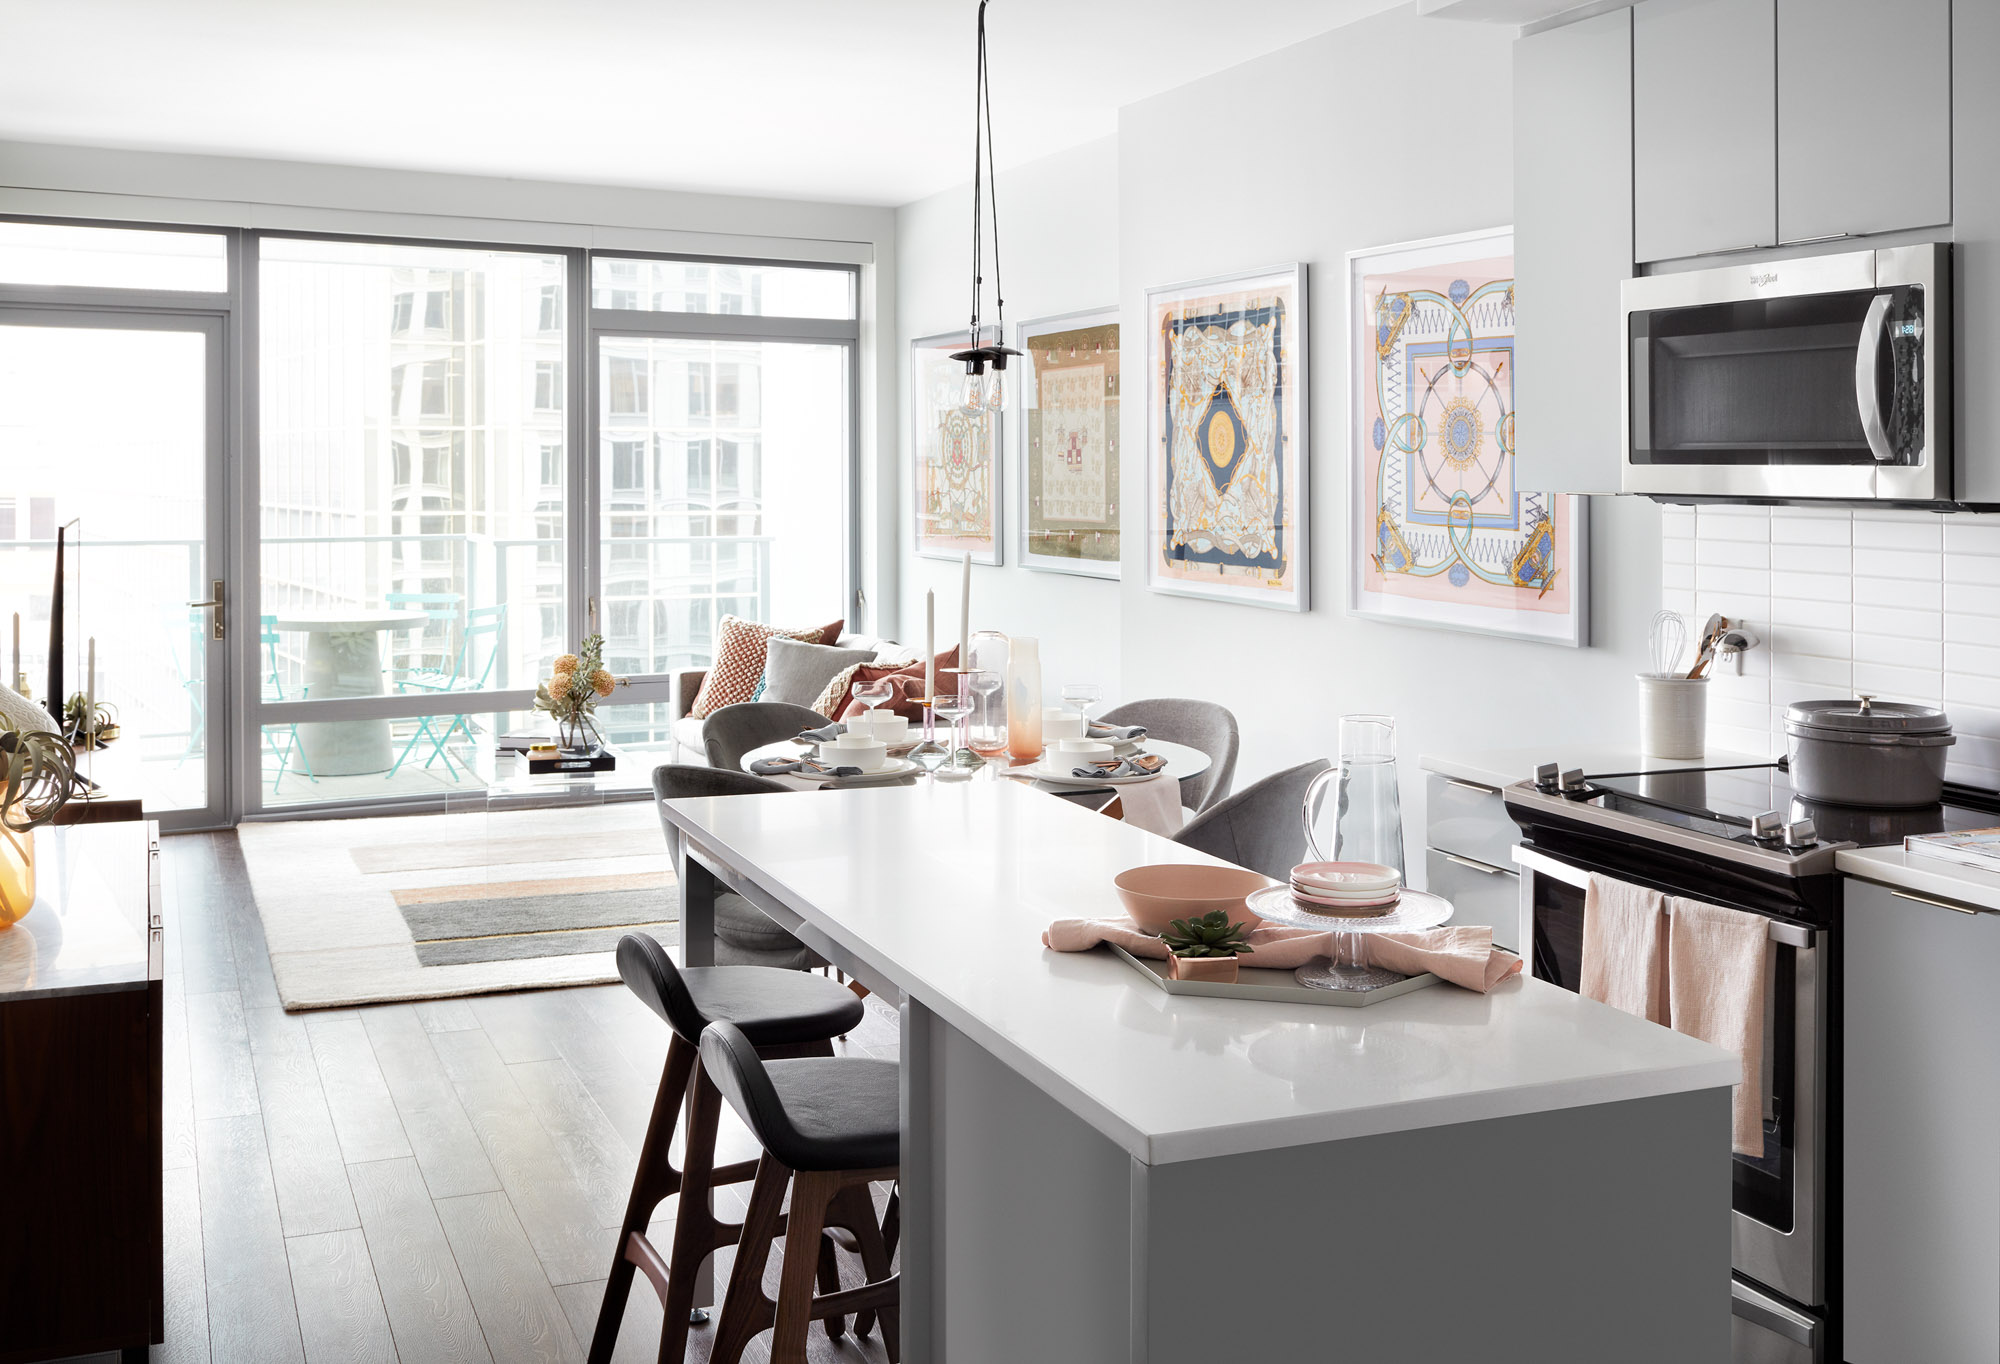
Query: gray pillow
[[798, 672]]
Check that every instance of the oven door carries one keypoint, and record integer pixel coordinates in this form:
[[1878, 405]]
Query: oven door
[[1824, 377], [1779, 1231]]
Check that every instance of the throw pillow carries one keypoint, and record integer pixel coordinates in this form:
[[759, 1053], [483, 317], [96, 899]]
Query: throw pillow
[[739, 660], [838, 698], [797, 672]]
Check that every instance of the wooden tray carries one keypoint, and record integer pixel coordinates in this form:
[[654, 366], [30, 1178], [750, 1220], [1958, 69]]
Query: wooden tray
[[1280, 987]]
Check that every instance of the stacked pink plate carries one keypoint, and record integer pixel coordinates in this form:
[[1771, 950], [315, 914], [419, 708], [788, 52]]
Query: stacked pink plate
[[1356, 888]]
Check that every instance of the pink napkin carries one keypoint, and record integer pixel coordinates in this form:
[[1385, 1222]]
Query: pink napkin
[[1464, 956], [1154, 805]]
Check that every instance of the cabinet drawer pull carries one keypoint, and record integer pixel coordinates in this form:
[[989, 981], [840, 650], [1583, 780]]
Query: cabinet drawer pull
[[1469, 862], [1824, 237], [1939, 904], [1481, 787], [1731, 250]]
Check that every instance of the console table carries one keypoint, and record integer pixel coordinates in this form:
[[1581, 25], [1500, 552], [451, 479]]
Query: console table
[[80, 1101]]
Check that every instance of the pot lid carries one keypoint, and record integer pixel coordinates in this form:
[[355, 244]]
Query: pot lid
[[1866, 715]]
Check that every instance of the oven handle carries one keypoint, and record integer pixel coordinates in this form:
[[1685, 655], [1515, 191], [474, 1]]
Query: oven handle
[[1867, 396], [1541, 864]]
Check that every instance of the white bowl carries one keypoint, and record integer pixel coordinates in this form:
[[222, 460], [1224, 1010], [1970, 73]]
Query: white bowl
[[1075, 752], [855, 750], [889, 727]]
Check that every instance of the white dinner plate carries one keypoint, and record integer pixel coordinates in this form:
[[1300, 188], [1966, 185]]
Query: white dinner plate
[[892, 767], [1064, 776]]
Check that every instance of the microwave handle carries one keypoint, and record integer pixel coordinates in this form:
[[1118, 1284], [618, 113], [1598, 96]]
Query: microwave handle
[[1867, 395]]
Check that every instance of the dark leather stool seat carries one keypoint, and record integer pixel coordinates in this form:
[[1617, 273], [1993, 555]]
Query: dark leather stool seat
[[832, 1113], [829, 1130], [773, 1008], [779, 1014]]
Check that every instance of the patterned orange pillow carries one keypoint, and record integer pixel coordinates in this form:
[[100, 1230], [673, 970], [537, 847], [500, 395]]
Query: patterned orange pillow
[[739, 660]]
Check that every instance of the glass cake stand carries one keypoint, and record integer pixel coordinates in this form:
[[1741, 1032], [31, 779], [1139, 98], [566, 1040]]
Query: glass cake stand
[[1346, 969]]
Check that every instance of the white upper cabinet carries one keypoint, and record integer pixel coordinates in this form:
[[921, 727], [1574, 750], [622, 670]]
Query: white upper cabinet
[[1864, 116], [1976, 255], [1704, 126], [1572, 248]]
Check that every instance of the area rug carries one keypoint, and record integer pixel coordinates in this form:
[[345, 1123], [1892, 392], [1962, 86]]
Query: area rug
[[367, 911]]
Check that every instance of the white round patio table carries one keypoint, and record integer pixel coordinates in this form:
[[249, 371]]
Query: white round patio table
[[344, 658]]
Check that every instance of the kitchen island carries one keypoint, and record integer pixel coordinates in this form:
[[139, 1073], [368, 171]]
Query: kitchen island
[[1096, 1171]]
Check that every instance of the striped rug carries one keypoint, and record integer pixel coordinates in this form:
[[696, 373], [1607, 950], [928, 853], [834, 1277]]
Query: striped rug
[[365, 911]]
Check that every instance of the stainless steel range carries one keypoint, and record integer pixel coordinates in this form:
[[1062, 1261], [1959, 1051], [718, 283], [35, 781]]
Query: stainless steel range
[[1738, 836]]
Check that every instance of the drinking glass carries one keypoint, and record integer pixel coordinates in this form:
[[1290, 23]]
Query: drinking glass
[[952, 707], [989, 735], [1081, 697], [871, 695]]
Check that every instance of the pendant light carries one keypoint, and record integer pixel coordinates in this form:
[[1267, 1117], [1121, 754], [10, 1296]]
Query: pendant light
[[985, 364]]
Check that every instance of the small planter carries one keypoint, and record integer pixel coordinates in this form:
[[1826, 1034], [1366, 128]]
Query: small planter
[[1217, 970]]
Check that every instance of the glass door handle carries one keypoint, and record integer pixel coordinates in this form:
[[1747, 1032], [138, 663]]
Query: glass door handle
[[216, 599]]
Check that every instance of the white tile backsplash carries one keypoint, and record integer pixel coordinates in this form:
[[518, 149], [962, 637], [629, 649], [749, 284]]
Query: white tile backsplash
[[1904, 605]]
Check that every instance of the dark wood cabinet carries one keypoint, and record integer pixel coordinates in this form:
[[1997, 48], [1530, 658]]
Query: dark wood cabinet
[[80, 1100]]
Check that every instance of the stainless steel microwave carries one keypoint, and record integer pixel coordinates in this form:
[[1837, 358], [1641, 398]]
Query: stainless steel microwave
[[1816, 377]]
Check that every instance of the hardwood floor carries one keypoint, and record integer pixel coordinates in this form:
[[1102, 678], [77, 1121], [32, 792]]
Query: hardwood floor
[[431, 1183]]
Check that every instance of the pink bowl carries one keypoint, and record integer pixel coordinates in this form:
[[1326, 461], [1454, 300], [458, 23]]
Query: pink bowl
[[1157, 895]]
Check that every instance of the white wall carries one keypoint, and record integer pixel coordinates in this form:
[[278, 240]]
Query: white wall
[[223, 191], [1059, 239], [1902, 605], [1335, 144]]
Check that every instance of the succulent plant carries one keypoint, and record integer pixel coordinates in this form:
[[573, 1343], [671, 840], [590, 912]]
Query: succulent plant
[[1212, 935]]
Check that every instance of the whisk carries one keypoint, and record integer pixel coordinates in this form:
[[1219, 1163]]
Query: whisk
[[1670, 637]]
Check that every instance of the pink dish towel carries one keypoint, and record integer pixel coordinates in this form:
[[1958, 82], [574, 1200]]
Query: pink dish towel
[[1624, 948], [1464, 956], [1719, 969]]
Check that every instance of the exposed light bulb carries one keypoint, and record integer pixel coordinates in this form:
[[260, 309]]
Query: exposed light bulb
[[996, 392], [974, 398]]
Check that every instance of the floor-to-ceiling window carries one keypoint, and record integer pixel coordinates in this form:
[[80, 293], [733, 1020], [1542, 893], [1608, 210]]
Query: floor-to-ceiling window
[[723, 418]]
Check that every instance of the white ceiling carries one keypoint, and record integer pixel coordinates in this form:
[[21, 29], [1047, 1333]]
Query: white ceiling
[[864, 101]]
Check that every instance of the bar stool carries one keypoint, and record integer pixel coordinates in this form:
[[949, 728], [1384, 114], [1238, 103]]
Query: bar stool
[[829, 1129], [780, 1014]]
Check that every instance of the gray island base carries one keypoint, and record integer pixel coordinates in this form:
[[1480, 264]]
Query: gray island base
[[1096, 1171]]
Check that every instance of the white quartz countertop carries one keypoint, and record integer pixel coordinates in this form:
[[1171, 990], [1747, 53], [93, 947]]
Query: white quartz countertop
[[944, 889], [1503, 766], [1933, 876]]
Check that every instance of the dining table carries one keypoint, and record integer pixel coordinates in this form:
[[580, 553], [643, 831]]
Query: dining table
[[1095, 1169], [1157, 808], [344, 658]]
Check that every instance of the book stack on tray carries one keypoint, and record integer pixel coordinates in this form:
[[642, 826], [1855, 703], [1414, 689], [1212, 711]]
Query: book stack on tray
[[1968, 847]]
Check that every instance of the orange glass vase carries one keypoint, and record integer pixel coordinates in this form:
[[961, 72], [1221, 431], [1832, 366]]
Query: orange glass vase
[[1024, 699], [17, 874]]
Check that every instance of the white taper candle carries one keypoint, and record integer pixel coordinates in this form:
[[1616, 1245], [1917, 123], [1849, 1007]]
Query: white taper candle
[[90, 689], [930, 643], [965, 614]]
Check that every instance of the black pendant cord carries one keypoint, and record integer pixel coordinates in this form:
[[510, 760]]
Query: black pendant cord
[[978, 116], [993, 191]]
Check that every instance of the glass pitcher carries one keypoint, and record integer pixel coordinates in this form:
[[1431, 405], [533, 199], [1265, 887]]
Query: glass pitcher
[[1366, 822]]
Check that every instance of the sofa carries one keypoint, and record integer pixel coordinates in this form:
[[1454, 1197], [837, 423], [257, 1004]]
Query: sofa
[[686, 684]]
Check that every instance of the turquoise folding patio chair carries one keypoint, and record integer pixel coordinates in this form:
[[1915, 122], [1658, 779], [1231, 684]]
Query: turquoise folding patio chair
[[482, 628], [444, 606], [287, 748]]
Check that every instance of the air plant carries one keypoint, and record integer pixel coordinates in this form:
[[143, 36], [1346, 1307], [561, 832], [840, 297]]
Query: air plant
[[103, 726], [1212, 935], [40, 770]]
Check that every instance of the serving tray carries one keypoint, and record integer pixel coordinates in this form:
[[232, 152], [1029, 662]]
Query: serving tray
[[1280, 987]]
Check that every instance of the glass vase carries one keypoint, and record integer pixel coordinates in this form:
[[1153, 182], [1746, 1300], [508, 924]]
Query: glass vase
[[17, 874], [989, 712], [1024, 699], [1366, 822]]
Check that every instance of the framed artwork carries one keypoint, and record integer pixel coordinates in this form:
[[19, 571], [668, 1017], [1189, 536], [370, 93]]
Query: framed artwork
[[1226, 436], [1069, 445], [1442, 535], [956, 454]]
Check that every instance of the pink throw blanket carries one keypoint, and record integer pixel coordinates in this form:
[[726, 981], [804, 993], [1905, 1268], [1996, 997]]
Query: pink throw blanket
[[1464, 956]]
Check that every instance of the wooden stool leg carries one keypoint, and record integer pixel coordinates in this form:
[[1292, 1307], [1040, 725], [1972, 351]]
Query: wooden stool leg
[[655, 1181], [829, 1282], [745, 1309], [811, 1192], [694, 1220], [875, 1260]]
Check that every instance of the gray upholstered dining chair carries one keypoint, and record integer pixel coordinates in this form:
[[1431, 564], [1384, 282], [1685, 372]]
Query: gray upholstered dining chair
[[1262, 827], [732, 731], [743, 935], [1198, 724]]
